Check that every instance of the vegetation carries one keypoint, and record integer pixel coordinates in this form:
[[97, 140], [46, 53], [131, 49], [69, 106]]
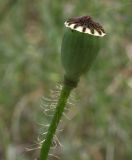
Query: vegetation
[[30, 36]]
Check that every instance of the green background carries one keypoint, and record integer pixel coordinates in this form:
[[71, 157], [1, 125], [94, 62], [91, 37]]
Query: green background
[[100, 125]]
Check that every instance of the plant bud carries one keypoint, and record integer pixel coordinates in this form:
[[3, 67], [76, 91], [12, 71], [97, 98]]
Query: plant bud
[[80, 46]]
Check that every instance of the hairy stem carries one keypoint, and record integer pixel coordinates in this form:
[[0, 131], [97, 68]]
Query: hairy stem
[[65, 92]]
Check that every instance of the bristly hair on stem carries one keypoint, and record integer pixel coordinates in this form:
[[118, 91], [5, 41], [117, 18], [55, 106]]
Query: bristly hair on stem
[[65, 92]]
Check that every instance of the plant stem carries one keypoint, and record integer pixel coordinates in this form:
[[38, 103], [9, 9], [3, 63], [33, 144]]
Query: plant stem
[[65, 92]]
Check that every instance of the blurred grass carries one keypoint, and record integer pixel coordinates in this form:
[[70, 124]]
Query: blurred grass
[[30, 41]]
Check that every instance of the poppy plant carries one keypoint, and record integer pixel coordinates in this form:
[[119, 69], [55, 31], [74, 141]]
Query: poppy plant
[[80, 46]]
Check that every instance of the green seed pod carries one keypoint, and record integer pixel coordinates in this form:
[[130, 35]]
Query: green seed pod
[[80, 46]]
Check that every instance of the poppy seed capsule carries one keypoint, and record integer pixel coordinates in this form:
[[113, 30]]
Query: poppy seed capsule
[[80, 46]]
